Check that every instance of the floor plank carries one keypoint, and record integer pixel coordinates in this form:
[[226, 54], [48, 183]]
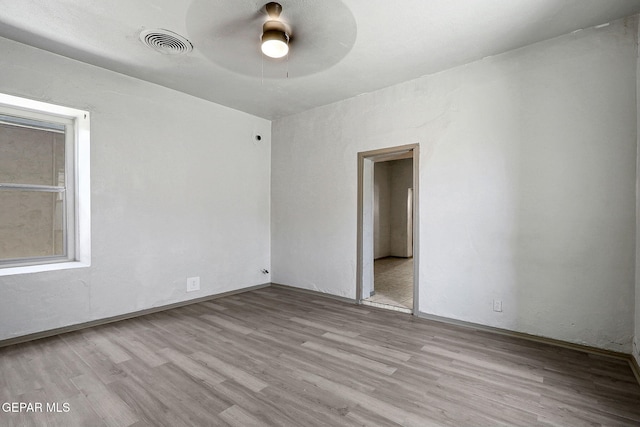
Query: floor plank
[[276, 356]]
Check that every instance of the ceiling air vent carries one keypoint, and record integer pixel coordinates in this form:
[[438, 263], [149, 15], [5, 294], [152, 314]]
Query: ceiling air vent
[[165, 41]]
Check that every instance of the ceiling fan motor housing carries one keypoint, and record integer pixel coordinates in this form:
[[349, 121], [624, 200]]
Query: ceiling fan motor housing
[[273, 9], [272, 26]]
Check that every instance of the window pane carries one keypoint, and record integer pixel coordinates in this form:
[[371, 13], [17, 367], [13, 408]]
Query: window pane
[[31, 156], [31, 224]]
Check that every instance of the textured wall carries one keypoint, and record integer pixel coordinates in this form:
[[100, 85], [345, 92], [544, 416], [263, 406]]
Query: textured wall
[[527, 187], [381, 210], [401, 182], [392, 179], [179, 188]]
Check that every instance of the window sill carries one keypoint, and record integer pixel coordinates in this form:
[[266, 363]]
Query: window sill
[[9, 271]]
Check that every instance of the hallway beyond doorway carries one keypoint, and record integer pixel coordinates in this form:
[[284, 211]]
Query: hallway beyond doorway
[[393, 283]]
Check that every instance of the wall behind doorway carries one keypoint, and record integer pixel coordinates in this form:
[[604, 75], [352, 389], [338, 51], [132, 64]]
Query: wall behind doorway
[[392, 180]]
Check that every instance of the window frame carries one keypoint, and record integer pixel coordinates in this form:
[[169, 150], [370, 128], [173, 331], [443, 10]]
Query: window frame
[[77, 218]]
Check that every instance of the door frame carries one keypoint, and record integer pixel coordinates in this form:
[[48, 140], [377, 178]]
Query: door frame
[[410, 151]]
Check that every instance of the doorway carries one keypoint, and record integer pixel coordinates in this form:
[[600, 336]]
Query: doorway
[[387, 271]]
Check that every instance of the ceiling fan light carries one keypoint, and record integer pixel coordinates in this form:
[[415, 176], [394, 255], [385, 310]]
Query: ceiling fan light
[[275, 43]]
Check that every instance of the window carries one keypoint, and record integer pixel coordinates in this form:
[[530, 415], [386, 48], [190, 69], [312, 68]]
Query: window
[[44, 186]]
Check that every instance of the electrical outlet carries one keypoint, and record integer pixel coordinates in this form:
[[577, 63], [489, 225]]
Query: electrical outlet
[[497, 305], [193, 284]]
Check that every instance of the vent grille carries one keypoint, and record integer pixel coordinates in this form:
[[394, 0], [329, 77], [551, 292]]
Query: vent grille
[[165, 41]]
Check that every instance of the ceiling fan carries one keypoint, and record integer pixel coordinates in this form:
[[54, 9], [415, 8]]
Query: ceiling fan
[[250, 37], [275, 37]]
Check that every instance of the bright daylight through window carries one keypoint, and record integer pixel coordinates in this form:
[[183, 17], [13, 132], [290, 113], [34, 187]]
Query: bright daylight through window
[[44, 186]]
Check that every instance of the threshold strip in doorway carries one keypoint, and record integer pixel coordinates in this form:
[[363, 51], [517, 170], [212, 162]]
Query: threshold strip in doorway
[[387, 306]]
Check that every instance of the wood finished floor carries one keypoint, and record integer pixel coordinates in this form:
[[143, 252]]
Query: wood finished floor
[[280, 357]]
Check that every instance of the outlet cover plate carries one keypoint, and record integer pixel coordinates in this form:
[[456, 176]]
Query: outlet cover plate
[[497, 305], [193, 284]]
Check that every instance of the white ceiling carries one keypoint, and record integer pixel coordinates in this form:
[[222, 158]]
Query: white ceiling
[[339, 48]]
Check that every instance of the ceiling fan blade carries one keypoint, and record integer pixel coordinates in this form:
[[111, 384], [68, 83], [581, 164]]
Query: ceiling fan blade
[[228, 33], [207, 18]]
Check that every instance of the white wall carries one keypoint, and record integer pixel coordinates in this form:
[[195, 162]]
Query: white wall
[[392, 179], [180, 188], [527, 187], [381, 210], [401, 182]]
